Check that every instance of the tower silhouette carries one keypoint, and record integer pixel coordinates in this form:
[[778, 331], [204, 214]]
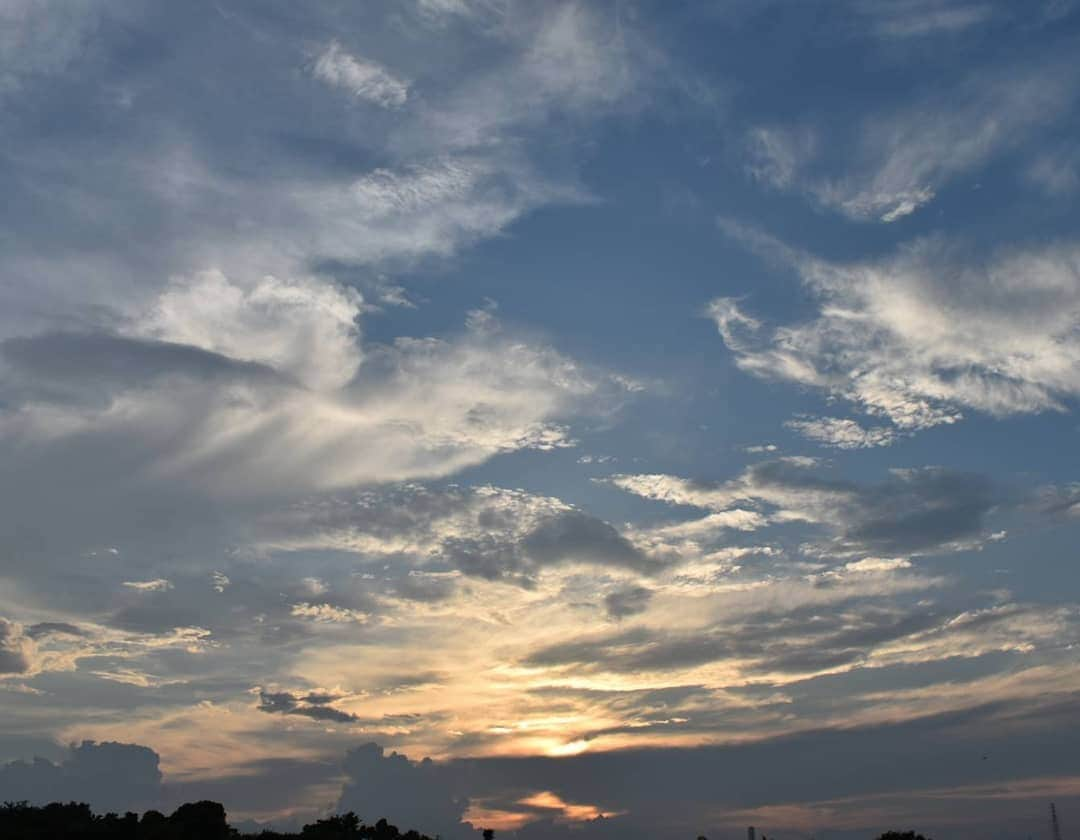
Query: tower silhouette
[[1055, 828]]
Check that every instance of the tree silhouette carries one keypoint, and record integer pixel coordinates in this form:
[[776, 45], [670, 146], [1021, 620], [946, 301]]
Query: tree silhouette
[[192, 821], [901, 835]]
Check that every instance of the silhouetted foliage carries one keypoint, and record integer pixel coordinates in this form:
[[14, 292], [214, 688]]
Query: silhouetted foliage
[[202, 821], [192, 821], [901, 835]]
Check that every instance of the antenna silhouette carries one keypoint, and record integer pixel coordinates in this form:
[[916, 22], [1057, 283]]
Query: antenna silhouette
[[1055, 828]]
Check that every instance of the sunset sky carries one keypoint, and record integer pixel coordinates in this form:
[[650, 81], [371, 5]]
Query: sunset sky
[[660, 415]]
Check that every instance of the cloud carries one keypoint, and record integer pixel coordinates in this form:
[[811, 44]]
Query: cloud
[[483, 532], [41, 39], [156, 585], [629, 601], [570, 61], [362, 78], [925, 510], [1056, 172], [898, 161], [918, 337], [108, 776], [923, 18], [668, 792], [777, 646], [777, 155], [421, 794], [17, 649], [419, 408], [419, 178], [54, 628], [313, 705], [328, 613], [303, 327], [842, 433]]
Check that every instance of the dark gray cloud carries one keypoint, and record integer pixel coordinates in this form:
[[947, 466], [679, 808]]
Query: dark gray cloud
[[670, 792], [801, 641], [54, 628], [93, 362], [109, 776], [676, 791], [576, 536], [563, 537], [921, 510], [313, 705], [632, 600], [302, 787], [913, 511], [423, 795]]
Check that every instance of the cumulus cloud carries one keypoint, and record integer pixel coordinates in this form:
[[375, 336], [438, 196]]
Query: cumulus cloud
[[921, 336], [304, 327], [420, 794], [109, 776]]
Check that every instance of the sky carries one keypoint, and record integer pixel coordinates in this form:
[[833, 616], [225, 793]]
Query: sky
[[582, 419]]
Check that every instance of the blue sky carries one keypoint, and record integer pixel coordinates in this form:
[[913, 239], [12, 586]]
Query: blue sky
[[595, 398]]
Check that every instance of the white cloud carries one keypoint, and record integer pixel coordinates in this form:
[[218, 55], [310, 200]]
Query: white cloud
[[899, 160], [873, 565], [306, 327], [842, 433], [156, 585], [922, 18], [920, 337], [1055, 172], [362, 78], [777, 155], [906, 157], [569, 60], [419, 408], [328, 614]]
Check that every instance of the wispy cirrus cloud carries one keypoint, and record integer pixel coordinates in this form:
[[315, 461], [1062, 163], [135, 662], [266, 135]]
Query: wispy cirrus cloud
[[363, 78], [919, 337], [897, 161]]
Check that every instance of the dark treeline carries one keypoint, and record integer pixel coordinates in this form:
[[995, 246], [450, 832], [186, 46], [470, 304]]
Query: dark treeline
[[201, 821], [193, 821]]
